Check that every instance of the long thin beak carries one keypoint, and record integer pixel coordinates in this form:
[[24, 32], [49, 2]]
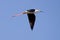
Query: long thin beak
[[41, 11]]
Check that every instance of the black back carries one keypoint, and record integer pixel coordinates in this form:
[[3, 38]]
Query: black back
[[31, 10]]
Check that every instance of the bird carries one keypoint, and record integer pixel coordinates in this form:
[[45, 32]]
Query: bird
[[31, 16]]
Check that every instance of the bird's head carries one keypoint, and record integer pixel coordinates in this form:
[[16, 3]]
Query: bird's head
[[37, 10]]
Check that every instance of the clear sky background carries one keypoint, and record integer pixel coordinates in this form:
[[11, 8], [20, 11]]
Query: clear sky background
[[47, 25]]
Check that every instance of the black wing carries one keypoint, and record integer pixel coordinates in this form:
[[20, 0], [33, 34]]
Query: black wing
[[31, 18]]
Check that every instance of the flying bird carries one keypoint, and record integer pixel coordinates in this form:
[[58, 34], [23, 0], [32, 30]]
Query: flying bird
[[31, 16]]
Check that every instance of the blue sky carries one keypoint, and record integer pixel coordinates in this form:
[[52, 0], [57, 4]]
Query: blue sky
[[47, 25]]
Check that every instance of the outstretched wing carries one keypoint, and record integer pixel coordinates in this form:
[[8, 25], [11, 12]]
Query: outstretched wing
[[31, 18]]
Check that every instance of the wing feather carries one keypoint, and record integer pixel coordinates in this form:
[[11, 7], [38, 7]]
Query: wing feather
[[31, 18]]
